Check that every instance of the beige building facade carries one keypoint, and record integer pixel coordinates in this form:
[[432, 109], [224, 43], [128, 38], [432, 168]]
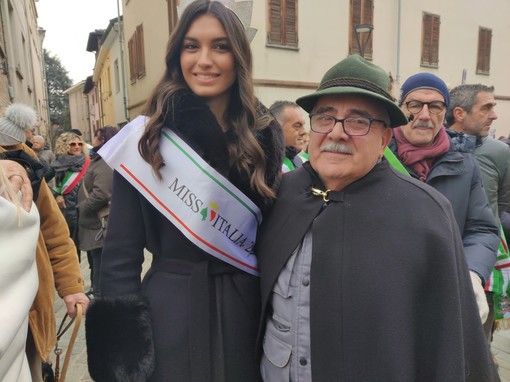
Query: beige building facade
[[460, 41], [79, 109], [22, 76]]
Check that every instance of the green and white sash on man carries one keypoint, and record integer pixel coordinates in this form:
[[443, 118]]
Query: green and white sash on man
[[287, 165], [498, 283], [209, 210]]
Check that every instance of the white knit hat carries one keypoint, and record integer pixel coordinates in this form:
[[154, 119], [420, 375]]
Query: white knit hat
[[16, 119]]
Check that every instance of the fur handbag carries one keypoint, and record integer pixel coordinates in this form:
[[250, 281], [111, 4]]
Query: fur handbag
[[119, 339]]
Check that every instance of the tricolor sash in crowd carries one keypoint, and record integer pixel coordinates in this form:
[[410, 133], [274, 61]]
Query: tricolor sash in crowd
[[287, 165], [209, 210], [71, 179], [498, 283]]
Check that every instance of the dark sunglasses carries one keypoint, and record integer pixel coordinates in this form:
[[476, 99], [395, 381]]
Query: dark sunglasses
[[74, 144]]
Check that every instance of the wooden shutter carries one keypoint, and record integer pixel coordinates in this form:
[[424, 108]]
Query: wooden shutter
[[282, 23], [368, 18], [140, 51], [291, 38], [355, 19], [274, 35], [430, 40], [483, 62], [132, 58]]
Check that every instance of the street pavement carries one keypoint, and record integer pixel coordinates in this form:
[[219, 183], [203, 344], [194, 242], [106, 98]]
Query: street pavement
[[78, 371]]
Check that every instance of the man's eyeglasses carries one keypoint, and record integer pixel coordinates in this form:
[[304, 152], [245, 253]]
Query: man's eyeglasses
[[74, 144], [354, 126], [435, 107]]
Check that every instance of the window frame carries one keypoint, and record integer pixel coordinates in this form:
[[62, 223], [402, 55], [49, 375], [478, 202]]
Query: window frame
[[282, 25], [361, 12], [136, 50], [431, 30]]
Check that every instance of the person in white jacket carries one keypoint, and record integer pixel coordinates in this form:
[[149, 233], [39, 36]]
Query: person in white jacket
[[18, 273]]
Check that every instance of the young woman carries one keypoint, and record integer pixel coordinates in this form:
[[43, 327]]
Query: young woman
[[70, 165], [18, 282], [204, 125]]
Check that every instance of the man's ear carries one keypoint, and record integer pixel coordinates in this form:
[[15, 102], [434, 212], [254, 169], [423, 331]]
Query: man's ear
[[385, 139], [387, 135], [459, 114]]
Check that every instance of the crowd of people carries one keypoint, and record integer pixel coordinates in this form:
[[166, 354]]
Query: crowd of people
[[363, 243]]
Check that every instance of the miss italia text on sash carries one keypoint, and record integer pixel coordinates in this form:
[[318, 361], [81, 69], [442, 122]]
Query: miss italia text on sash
[[209, 210]]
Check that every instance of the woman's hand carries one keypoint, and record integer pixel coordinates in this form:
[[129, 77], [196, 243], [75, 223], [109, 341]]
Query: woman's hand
[[19, 181]]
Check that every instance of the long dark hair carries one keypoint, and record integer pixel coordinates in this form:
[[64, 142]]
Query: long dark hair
[[241, 114]]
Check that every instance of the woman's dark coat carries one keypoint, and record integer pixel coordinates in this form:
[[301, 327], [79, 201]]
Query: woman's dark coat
[[391, 297], [98, 181], [192, 296]]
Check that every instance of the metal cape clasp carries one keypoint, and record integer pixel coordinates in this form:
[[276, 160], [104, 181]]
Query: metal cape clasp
[[319, 192]]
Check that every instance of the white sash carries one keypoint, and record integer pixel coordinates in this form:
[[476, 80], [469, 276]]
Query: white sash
[[209, 210]]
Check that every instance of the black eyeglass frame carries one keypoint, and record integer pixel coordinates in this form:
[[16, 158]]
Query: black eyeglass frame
[[342, 120], [428, 106]]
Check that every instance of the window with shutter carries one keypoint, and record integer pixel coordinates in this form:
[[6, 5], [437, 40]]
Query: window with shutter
[[483, 61], [140, 51], [362, 12], [430, 40], [132, 58], [282, 23]]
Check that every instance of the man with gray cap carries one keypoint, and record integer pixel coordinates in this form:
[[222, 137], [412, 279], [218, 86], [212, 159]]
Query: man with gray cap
[[367, 280], [426, 150], [57, 261]]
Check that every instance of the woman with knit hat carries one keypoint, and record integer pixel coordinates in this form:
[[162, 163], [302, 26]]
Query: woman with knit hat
[[57, 263]]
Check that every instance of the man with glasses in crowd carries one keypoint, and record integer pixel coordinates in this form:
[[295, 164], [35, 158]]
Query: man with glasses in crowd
[[424, 147], [367, 280]]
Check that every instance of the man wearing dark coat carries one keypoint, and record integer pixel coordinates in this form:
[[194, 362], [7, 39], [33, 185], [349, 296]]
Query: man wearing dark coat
[[367, 280]]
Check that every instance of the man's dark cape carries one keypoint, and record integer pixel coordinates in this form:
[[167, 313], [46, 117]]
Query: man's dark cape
[[391, 296]]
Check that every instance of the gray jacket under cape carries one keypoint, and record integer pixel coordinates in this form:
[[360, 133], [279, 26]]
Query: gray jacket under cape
[[391, 296]]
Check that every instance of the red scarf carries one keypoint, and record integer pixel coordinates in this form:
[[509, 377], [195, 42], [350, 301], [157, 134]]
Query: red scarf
[[420, 158]]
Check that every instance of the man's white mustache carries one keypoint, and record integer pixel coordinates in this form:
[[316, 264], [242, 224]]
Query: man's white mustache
[[428, 125], [336, 148]]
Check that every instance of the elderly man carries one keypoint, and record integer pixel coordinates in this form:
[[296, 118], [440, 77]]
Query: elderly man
[[367, 280], [290, 117], [425, 149], [44, 154], [57, 263]]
